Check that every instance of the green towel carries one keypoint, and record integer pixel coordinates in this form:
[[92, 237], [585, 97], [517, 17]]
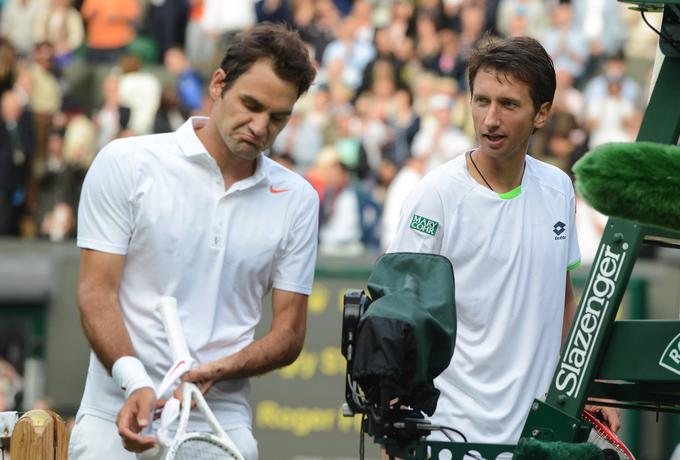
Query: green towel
[[533, 449]]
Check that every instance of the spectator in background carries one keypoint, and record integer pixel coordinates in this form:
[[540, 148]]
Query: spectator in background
[[640, 48], [8, 61], [614, 68], [110, 28], [195, 38], [170, 115], [189, 86], [141, 92], [276, 11], [71, 156], [301, 139], [348, 53], [221, 22], [316, 20], [566, 44], [449, 62], [431, 9], [18, 19], [16, 150], [472, 25], [404, 124], [601, 24], [568, 98], [112, 118], [53, 214], [61, 25], [362, 14], [166, 23], [11, 384], [343, 132], [439, 140], [427, 41], [611, 118], [561, 142], [45, 96], [532, 12], [383, 53], [372, 108], [340, 226]]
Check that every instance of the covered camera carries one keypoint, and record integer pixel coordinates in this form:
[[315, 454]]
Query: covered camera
[[397, 337]]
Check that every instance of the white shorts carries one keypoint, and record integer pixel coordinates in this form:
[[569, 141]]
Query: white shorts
[[94, 438]]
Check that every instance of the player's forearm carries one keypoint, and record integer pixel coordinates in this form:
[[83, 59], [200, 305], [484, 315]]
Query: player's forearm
[[103, 324], [569, 310], [276, 349]]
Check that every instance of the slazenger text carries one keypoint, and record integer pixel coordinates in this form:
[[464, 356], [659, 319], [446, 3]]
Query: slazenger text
[[589, 320]]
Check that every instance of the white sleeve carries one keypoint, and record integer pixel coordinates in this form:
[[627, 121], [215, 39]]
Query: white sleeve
[[105, 220], [421, 222], [574, 253], [294, 268]]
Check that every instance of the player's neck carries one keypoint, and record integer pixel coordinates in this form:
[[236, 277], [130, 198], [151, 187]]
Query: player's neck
[[233, 168], [501, 175]]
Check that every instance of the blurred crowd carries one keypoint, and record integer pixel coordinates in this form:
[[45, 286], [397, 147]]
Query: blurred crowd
[[389, 104]]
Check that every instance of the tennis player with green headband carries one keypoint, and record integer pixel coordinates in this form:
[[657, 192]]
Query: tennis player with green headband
[[203, 216], [506, 222]]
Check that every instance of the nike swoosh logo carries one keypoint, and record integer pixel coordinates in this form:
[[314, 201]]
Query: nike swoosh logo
[[278, 190]]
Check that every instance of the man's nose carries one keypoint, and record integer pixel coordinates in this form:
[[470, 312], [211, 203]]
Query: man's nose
[[492, 119], [259, 124]]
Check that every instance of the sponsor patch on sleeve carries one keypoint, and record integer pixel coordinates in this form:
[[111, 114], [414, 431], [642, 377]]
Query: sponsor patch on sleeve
[[424, 225]]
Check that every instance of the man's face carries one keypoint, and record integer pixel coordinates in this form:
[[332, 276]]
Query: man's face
[[253, 111], [503, 114]]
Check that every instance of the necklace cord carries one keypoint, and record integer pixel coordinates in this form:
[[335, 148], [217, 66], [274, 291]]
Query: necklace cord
[[524, 167], [479, 172]]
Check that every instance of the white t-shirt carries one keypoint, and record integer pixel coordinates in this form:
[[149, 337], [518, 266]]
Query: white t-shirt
[[510, 255], [161, 201]]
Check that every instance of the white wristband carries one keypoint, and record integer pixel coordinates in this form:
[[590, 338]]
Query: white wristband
[[129, 374]]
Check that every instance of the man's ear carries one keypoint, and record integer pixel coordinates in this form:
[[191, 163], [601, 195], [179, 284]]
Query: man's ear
[[216, 84], [542, 115]]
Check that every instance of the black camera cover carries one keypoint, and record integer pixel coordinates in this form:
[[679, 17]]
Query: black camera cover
[[407, 335]]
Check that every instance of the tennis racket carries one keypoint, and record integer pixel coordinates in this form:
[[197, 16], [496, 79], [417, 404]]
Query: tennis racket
[[192, 445], [605, 439]]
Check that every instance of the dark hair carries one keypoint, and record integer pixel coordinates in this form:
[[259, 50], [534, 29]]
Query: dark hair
[[520, 57], [283, 46]]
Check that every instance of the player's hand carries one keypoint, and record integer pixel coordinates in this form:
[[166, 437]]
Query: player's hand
[[610, 416], [205, 375], [177, 394], [133, 417]]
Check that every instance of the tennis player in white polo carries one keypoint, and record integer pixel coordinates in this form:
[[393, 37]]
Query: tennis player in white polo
[[506, 222], [203, 216]]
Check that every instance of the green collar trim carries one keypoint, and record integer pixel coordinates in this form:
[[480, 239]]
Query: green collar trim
[[515, 192], [574, 265]]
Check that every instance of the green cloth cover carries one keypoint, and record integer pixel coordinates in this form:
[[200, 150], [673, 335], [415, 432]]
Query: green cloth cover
[[533, 449], [638, 181], [407, 335]]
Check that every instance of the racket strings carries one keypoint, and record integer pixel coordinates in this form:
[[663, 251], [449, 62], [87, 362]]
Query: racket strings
[[201, 449]]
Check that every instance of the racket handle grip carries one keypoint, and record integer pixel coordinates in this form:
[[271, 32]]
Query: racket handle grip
[[155, 452], [167, 307]]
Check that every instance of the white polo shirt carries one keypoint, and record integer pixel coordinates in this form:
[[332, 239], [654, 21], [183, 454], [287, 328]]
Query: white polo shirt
[[161, 201], [510, 256]]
